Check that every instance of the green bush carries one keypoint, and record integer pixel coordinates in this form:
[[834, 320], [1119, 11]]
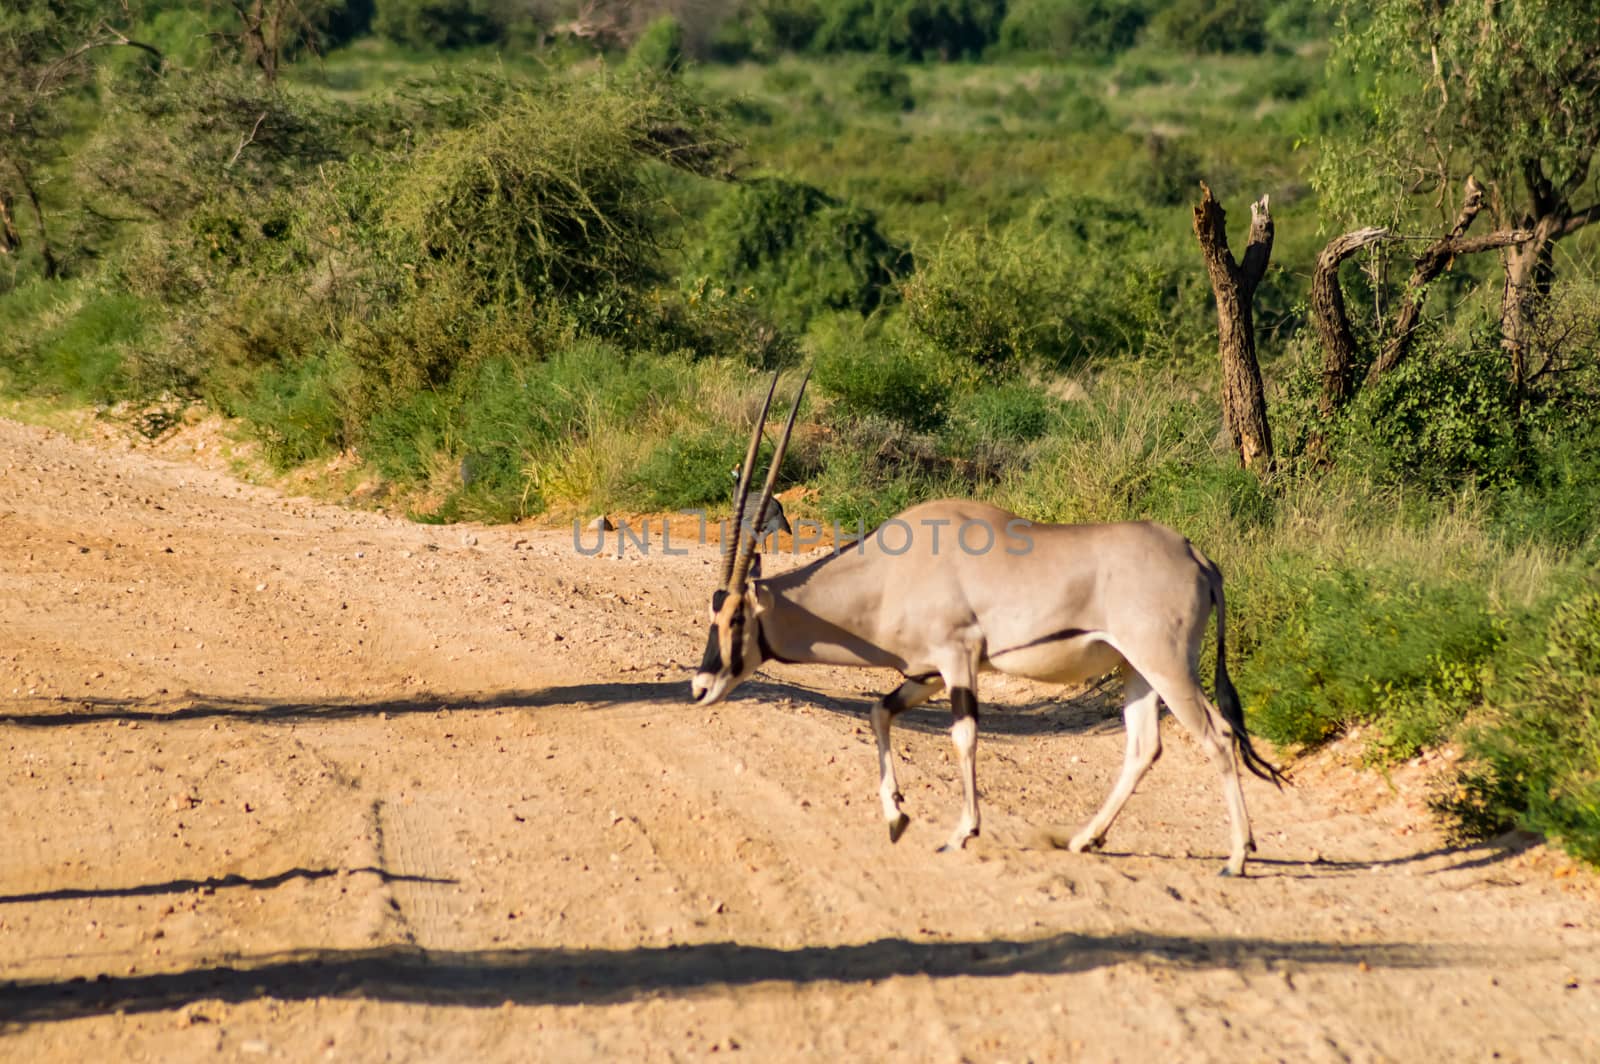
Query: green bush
[[914, 29], [550, 197], [1324, 646], [296, 411], [801, 250], [1167, 173], [883, 86], [1534, 760], [890, 381], [1015, 411], [688, 470], [1036, 292], [784, 26], [1212, 25], [69, 339], [440, 24], [660, 47], [1443, 417], [1557, 501], [1091, 29]]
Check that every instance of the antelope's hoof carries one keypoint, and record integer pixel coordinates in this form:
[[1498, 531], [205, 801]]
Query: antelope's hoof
[[1083, 845], [957, 845], [1230, 872], [897, 827]]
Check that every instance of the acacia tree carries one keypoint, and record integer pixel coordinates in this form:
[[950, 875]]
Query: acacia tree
[[44, 54], [1508, 91]]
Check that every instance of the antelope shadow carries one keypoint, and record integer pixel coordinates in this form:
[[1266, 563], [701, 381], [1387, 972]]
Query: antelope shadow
[[1043, 717], [227, 882], [562, 976]]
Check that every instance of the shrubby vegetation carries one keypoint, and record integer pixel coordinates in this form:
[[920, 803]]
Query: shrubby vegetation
[[524, 259]]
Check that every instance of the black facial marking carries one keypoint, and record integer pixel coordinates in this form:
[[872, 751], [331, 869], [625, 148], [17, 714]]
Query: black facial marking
[[736, 641], [712, 660], [964, 703]]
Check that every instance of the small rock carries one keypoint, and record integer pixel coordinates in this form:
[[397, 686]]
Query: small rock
[[556, 637], [468, 539], [601, 524]]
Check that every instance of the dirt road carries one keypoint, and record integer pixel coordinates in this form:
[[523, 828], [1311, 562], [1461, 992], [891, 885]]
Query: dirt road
[[288, 781]]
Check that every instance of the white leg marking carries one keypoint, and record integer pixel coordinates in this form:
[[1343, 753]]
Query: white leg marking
[[964, 733], [1140, 713], [909, 694]]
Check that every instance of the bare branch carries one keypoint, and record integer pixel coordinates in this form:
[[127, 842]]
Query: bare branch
[[1257, 248], [1579, 219], [246, 140], [1436, 259], [1333, 323]]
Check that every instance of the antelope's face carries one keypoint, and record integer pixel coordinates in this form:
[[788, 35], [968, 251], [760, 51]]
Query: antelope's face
[[733, 646]]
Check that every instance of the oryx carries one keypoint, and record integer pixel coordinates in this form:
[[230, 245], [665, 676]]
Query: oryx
[[948, 589]]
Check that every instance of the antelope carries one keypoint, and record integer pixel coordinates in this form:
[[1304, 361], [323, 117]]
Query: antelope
[[1050, 602]]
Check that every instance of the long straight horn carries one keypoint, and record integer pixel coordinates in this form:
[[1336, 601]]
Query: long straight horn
[[742, 489], [747, 543]]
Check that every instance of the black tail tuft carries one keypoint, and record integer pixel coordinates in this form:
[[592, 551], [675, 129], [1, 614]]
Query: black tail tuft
[[1227, 695], [1233, 713]]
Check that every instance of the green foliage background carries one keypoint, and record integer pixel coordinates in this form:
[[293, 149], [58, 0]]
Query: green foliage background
[[517, 272]]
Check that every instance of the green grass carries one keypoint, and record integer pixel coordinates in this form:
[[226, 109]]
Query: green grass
[[68, 339]]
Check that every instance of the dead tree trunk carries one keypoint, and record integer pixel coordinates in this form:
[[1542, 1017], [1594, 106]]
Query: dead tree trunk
[[1244, 402], [1333, 324]]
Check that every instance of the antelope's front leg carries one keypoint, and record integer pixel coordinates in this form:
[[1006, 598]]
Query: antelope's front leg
[[908, 694], [964, 733]]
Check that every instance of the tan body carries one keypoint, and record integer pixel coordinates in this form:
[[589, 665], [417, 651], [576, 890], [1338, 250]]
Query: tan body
[[946, 590], [932, 595]]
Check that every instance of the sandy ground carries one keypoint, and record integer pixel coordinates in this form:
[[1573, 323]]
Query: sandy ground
[[289, 781]]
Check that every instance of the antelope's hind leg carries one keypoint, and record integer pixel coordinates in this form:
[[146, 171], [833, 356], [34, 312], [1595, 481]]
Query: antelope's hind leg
[[909, 694], [1141, 710], [1188, 703]]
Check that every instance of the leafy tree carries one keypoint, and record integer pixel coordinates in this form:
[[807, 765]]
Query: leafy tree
[[916, 29], [437, 23], [1508, 92], [1212, 25], [45, 52], [1094, 28]]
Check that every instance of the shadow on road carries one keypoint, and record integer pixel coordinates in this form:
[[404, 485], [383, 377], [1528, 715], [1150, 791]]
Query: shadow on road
[[183, 886], [491, 978], [1037, 718], [1462, 858]]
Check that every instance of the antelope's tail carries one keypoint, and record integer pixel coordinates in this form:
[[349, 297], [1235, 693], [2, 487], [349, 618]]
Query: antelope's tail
[[1227, 695]]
